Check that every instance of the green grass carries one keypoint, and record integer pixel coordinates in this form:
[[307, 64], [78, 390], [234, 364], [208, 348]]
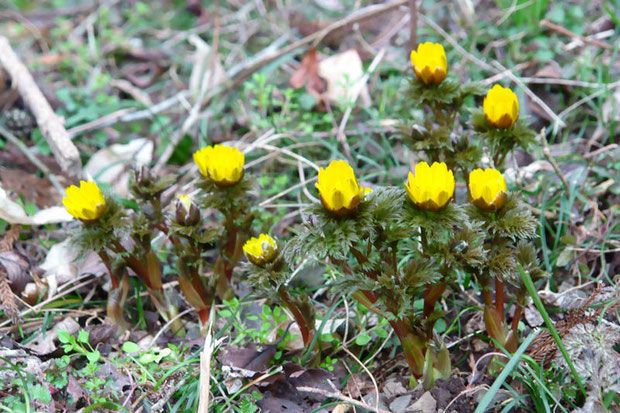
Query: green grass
[[82, 83]]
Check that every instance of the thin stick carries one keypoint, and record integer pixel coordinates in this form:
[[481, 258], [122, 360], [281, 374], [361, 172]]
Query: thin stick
[[239, 73], [342, 138], [208, 81], [413, 24], [554, 164], [566, 32], [205, 369], [51, 125], [35, 161]]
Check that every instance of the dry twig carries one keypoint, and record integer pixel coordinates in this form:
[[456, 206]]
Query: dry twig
[[239, 73], [554, 164], [35, 161], [566, 32], [51, 125]]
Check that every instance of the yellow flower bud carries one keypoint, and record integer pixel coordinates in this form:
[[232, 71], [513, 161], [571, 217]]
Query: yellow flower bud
[[430, 63], [338, 188], [85, 203], [501, 107], [487, 189], [261, 250], [187, 213], [432, 187], [221, 164]]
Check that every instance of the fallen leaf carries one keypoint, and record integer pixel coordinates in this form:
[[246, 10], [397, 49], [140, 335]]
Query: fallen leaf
[[308, 74], [424, 404], [44, 343], [344, 74], [111, 165], [30, 187], [274, 404], [61, 265], [17, 268], [13, 213], [400, 403], [246, 361], [74, 389], [393, 387], [552, 70]]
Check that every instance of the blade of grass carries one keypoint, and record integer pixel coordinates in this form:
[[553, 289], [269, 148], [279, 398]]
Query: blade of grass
[[499, 381], [529, 285]]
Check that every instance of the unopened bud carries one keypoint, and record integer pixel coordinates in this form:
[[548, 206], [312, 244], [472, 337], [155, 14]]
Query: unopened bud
[[187, 213], [143, 176]]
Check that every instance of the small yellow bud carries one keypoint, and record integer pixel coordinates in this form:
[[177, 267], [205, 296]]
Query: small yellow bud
[[261, 250], [85, 203], [487, 189], [432, 187], [430, 63], [221, 164], [338, 188], [501, 107], [187, 213]]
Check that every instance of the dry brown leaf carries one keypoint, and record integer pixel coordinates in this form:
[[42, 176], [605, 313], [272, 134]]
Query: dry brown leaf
[[30, 187], [552, 70], [308, 74]]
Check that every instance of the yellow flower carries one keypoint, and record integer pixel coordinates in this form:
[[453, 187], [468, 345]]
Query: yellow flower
[[261, 250], [221, 164], [430, 63], [338, 188], [501, 107], [487, 189], [85, 203], [432, 187]]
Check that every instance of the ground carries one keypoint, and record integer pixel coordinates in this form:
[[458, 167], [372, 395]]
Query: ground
[[297, 84]]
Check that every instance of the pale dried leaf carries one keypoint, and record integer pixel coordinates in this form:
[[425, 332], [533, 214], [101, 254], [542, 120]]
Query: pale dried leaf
[[344, 76], [13, 213], [111, 165]]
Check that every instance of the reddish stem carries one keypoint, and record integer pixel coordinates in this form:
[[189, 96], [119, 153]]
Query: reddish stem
[[499, 298], [107, 261], [203, 313], [431, 295], [306, 333], [517, 317]]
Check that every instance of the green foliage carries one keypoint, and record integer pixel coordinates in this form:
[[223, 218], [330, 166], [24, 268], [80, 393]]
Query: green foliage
[[97, 236], [513, 220], [464, 250], [420, 94], [527, 258], [501, 141], [438, 226], [232, 201], [326, 235]]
